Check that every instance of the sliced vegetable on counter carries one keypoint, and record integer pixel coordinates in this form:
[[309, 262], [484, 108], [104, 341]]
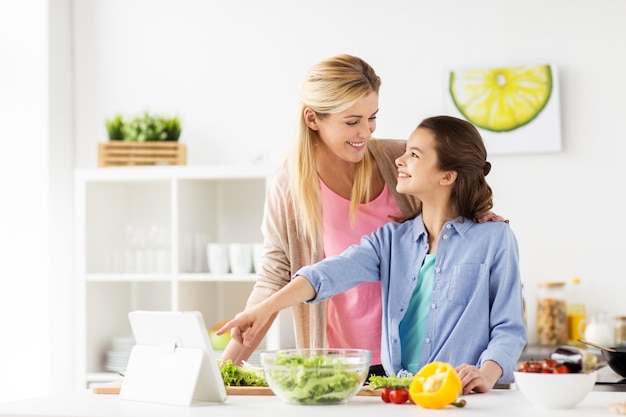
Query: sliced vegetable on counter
[[394, 389], [246, 375], [436, 385], [392, 381]]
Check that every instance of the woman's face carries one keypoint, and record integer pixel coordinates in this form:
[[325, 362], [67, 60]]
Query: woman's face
[[418, 172], [344, 134]]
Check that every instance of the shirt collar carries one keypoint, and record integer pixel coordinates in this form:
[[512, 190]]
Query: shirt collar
[[460, 224]]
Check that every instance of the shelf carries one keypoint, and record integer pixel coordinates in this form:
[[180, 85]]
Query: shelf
[[128, 277], [166, 173], [200, 277], [141, 242], [181, 277]]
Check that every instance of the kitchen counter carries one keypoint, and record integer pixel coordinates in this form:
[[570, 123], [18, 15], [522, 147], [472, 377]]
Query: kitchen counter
[[497, 402]]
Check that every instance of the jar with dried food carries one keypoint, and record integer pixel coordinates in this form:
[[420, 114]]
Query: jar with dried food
[[551, 314]]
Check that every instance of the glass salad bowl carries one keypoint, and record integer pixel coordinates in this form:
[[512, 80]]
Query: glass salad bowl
[[316, 376]]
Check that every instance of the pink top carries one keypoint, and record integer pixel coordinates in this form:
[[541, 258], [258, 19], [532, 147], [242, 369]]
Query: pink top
[[354, 316]]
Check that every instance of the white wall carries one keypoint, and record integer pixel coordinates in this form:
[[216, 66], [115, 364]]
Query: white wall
[[36, 286], [232, 70], [60, 176], [24, 258]]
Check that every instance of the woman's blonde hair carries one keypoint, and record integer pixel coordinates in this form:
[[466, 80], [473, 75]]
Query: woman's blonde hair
[[331, 86]]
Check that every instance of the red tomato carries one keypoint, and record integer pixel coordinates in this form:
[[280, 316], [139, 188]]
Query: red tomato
[[562, 369], [548, 366], [384, 395], [399, 395]]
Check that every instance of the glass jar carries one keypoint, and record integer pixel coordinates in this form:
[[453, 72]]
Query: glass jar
[[620, 331], [551, 314], [598, 329], [576, 313]]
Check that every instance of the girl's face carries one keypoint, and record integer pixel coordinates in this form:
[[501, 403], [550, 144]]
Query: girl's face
[[343, 135], [418, 172]]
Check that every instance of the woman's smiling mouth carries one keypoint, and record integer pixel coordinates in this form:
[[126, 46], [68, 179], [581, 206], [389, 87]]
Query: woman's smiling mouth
[[357, 145]]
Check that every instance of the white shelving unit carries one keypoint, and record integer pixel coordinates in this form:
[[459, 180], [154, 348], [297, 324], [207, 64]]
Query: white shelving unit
[[177, 210]]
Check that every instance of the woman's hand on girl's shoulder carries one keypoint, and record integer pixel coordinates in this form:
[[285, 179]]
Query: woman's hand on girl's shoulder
[[490, 216]]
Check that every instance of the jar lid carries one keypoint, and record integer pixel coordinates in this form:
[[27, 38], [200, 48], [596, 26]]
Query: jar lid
[[551, 284]]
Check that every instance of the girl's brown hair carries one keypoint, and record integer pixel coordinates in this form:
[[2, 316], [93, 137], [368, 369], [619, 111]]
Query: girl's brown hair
[[460, 148]]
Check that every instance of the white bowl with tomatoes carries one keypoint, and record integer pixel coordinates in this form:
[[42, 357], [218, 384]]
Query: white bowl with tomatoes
[[550, 384]]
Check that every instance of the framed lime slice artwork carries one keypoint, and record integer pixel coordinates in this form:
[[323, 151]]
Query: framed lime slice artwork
[[501, 99], [516, 108]]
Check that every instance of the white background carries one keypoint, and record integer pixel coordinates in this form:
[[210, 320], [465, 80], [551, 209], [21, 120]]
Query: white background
[[232, 71]]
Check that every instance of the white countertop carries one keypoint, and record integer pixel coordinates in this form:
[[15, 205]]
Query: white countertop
[[509, 403]]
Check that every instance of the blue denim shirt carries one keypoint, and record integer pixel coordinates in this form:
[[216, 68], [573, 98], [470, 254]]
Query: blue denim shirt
[[476, 312]]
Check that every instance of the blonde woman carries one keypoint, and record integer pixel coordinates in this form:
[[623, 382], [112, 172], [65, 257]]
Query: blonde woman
[[338, 184]]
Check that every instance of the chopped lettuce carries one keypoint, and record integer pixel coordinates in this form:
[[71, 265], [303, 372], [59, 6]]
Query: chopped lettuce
[[245, 375], [314, 380], [392, 381]]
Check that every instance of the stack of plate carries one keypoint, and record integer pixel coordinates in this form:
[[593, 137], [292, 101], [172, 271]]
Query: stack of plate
[[117, 358]]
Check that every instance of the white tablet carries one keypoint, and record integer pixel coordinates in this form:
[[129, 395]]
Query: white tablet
[[173, 361]]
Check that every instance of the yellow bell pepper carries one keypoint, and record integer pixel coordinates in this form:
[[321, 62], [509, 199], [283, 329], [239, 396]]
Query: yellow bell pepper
[[436, 385]]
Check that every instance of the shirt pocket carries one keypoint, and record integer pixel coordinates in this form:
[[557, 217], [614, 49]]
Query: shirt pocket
[[464, 282]]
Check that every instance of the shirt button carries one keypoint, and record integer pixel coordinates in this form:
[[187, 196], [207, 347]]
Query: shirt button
[[437, 269], [433, 306], [427, 340], [448, 226], [445, 237]]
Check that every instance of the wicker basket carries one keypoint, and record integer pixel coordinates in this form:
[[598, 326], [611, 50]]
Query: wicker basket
[[119, 153]]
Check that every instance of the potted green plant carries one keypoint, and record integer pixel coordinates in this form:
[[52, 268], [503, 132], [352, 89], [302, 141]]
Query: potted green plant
[[143, 128]]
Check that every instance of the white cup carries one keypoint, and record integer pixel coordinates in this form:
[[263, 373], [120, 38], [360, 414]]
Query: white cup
[[240, 256], [257, 253], [217, 256]]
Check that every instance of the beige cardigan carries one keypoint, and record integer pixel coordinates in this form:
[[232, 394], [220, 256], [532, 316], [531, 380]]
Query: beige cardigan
[[285, 253]]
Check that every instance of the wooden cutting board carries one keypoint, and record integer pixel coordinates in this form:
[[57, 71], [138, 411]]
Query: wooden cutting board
[[268, 391], [112, 387], [115, 386]]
